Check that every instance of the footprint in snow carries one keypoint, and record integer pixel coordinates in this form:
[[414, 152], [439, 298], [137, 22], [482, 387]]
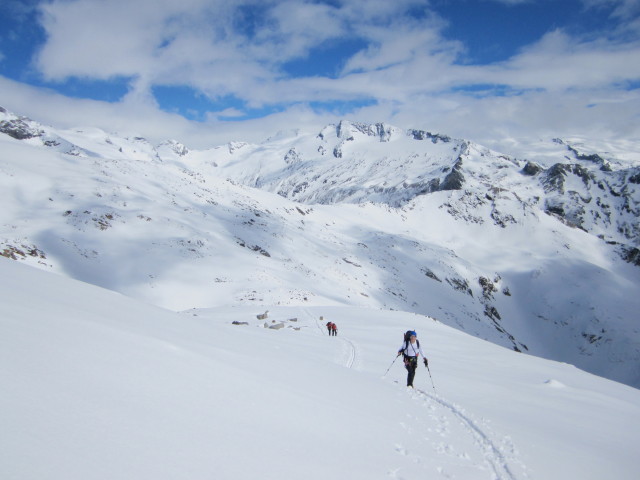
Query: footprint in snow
[[401, 450]]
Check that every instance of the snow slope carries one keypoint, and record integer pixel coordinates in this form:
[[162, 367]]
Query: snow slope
[[99, 386]]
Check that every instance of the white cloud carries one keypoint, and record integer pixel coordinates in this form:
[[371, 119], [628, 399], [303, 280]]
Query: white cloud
[[296, 27], [227, 113], [559, 63], [401, 44], [196, 44], [408, 68], [621, 8], [492, 121], [138, 115]]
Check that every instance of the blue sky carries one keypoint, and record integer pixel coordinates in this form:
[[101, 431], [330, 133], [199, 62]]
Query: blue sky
[[214, 70]]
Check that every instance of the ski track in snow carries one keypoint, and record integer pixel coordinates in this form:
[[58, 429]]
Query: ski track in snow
[[316, 320], [349, 350], [492, 455]]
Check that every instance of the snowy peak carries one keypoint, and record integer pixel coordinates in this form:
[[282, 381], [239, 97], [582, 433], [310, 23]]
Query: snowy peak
[[349, 162], [355, 163], [84, 142], [348, 131], [595, 197], [20, 128], [172, 148]]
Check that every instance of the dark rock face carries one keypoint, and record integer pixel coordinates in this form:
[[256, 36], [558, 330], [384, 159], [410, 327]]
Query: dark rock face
[[555, 178], [532, 169], [631, 255], [292, 157], [345, 130], [434, 137], [455, 179], [595, 158], [422, 188], [19, 129]]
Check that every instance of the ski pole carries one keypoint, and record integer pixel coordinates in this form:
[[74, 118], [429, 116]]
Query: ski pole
[[429, 370], [394, 361]]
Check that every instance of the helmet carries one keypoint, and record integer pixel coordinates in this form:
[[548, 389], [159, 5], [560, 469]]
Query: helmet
[[408, 334]]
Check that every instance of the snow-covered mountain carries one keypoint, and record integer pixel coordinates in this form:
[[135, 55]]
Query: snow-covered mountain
[[537, 252], [357, 163]]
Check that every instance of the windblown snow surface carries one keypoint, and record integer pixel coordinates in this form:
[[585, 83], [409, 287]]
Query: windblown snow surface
[[96, 385]]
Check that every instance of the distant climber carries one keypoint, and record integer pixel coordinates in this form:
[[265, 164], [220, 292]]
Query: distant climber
[[332, 328], [411, 350]]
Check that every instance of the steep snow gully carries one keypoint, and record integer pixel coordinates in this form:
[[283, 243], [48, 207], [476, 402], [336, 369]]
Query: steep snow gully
[[447, 421]]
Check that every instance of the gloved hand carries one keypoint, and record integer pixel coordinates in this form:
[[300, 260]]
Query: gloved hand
[[426, 363]]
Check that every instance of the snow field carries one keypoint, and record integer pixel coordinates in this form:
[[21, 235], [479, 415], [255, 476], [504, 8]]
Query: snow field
[[98, 386]]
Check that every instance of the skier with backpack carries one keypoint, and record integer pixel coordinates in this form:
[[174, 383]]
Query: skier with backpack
[[410, 350]]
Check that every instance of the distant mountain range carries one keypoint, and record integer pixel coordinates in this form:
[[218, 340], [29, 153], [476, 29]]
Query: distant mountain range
[[538, 253]]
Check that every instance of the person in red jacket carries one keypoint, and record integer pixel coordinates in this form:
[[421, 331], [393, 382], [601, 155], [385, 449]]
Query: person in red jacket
[[334, 329]]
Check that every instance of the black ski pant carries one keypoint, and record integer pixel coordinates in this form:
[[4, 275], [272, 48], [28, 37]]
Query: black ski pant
[[411, 364]]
